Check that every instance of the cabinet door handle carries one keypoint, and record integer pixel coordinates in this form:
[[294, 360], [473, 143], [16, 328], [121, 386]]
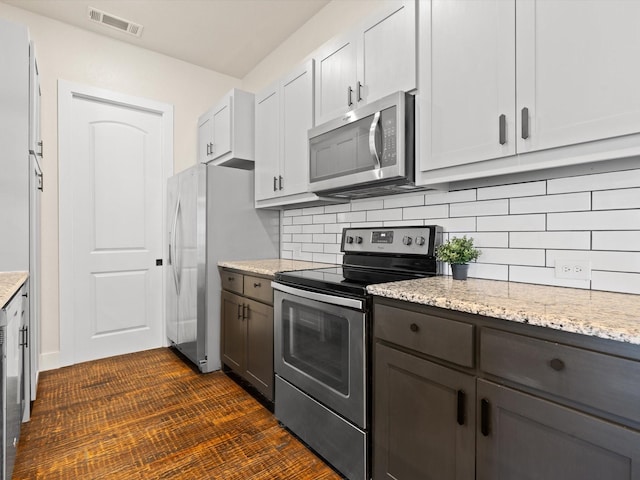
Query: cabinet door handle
[[502, 125], [280, 182], [40, 182], [208, 150], [240, 310], [525, 123], [461, 405], [275, 184], [359, 88], [245, 311], [41, 152], [484, 417], [557, 364], [213, 148], [349, 94]]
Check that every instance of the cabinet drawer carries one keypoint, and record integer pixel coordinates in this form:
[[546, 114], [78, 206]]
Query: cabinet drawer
[[594, 379], [231, 281], [439, 337], [258, 288]]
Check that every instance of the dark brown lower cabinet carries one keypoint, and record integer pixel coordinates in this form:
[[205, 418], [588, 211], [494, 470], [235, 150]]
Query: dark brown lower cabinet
[[424, 419], [247, 340], [522, 437]]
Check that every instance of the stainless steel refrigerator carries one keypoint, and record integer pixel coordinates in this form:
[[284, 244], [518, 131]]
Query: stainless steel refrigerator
[[210, 217]]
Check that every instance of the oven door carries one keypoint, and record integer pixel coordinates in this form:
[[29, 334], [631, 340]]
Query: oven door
[[319, 347]]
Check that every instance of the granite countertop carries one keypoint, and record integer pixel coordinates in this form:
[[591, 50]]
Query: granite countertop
[[613, 316], [10, 282], [271, 266]]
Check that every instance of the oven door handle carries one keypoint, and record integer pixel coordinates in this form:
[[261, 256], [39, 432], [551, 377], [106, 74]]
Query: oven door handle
[[320, 297]]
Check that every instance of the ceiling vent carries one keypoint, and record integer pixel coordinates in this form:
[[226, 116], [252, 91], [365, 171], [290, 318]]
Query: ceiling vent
[[112, 21]]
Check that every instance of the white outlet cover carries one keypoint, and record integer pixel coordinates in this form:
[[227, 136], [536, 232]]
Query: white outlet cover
[[576, 269]]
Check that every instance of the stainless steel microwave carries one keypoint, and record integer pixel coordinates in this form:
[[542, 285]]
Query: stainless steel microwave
[[370, 151]]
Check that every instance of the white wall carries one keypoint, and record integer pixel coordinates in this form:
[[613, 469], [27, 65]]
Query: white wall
[[69, 53]]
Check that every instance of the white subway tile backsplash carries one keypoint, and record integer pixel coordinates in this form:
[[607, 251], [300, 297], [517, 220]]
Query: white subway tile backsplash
[[384, 215], [368, 204], [425, 212], [512, 223], [465, 224], [488, 239], [557, 240], [302, 220], [599, 181], [313, 228], [312, 247], [312, 210], [480, 208], [522, 229], [513, 256], [543, 276], [398, 201], [436, 197], [489, 271], [326, 238], [335, 227], [616, 282], [302, 237], [571, 202], [340, 207], [623, 241], [348, 217], [600, 220], [325, 218], [292, 229], [616, 199], [514, 190]]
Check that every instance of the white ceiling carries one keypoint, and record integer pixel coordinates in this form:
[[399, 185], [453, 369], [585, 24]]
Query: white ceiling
[[228, 36]]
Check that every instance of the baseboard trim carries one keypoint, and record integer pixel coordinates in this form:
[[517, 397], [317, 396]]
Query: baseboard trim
[[49, 361]]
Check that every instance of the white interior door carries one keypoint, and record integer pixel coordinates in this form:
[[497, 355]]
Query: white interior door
[[112, 178]]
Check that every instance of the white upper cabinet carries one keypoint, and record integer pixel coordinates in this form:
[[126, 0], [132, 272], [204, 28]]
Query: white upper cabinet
[[375, 60], [467, 98], [226, 131], [284, 114], [578, 71], [508, 86]]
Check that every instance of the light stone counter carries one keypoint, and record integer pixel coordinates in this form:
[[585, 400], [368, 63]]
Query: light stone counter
[[10, 282], [271, 266], [614, 316]]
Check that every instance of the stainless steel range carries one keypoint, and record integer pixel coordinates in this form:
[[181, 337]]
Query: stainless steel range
[[322, 339]]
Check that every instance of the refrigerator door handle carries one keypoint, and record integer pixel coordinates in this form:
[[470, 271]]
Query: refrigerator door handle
[[174, 256]]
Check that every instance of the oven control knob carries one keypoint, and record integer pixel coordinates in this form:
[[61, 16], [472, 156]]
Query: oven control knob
[[420, 241], [407, 240], [349, 239], [358, 239]]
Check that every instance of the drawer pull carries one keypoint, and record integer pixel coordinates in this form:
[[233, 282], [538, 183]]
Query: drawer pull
[[557, 364], [484, 417], [257, 285], [231, 279], [413, 327], [461, 405]]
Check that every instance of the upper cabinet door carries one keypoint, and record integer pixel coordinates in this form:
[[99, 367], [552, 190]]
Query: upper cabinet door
[[375, 59], [267, 143], [297, 119], [467, 81], [335, 78], [387, 61], [222, 118], [205, 137], [578, 73]]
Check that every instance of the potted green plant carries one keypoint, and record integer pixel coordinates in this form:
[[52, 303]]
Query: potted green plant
[[458, 252]]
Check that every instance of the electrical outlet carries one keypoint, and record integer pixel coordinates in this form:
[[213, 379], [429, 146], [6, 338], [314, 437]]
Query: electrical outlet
[[576, 269]]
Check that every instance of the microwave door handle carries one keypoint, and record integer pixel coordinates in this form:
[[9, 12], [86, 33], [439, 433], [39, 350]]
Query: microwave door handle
[[372, 139]]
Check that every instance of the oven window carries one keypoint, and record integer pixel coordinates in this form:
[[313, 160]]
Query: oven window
[[317, 343]]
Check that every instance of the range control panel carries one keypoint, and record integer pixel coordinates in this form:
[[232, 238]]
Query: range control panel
[[418, 240]]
